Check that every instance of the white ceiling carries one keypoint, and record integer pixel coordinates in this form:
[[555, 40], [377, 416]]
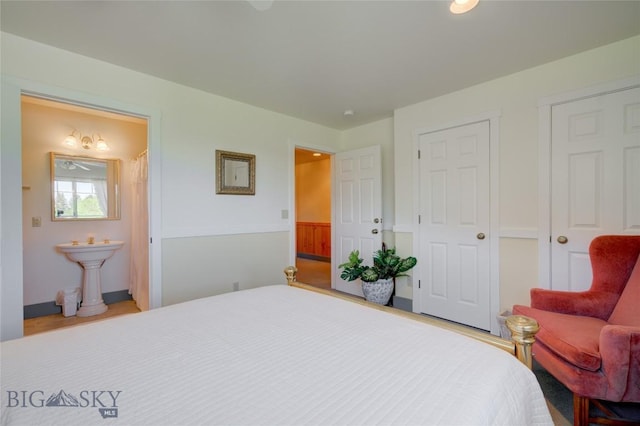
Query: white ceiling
[[316, 59]]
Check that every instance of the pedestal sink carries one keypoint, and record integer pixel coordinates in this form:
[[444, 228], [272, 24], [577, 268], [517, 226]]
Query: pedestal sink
[[90, 257]]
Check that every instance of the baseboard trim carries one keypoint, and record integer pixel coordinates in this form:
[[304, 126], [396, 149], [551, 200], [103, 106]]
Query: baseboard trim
[[50, 308], [314, 257], [403, 303], [116, 296]]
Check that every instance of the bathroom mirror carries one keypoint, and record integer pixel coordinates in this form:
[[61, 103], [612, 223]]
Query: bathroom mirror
[[236, 173], [84, 188]]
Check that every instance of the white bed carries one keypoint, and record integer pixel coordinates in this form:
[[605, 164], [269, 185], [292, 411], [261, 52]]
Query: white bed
[[275, 355]]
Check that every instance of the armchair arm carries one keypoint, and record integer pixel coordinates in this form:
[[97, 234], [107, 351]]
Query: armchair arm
[[620, 352], [595, 304]]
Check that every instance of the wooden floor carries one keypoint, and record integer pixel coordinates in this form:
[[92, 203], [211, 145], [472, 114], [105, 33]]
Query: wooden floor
[[52, 322], [314, 272], [557, 417]]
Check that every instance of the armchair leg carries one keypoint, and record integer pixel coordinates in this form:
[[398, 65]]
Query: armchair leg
[[581, 414], [580, 410]]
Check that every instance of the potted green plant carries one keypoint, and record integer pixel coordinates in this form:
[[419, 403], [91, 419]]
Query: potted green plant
[[377, 280]]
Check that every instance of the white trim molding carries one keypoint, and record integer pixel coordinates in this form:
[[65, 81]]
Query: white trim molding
[[169, 233], [519, 233]]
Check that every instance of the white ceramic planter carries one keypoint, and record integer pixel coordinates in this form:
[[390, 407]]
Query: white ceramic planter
[[378, 291]]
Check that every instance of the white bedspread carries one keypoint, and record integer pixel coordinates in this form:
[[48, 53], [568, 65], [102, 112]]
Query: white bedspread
[[275, 355]]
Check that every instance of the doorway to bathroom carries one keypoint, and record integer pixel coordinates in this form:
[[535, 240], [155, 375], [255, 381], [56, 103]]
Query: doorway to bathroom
[[51, 126], [313, 217]]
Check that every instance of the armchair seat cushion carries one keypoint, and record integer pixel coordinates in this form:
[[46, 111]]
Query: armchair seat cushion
[[573, 338]]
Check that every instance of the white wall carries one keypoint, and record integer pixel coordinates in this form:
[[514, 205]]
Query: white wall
[[192, 126], [517, 97], [211, 265], [43, 131]]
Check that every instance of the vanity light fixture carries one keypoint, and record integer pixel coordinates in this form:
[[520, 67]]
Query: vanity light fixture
[[87, 142], [101, 145], [71, 141], [462, 6]]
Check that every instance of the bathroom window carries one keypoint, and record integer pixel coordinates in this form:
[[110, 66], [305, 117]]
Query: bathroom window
[[84, 188], [80, 199]]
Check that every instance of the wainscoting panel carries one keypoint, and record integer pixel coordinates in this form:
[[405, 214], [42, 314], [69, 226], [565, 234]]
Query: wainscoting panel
[[313, 240]]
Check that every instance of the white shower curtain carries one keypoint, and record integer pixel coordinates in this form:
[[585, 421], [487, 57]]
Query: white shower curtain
[[101, 192], [139, 280]]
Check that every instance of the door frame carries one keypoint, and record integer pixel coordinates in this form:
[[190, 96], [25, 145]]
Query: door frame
[[11, 261], [493, 117], [545, 106], [292, 198]]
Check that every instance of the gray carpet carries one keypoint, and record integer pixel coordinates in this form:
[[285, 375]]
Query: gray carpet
[[562, 398], [555, 392]]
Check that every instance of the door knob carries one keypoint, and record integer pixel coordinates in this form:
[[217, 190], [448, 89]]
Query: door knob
[[374, 231], [376, 220], [562, 239], [480, 236]]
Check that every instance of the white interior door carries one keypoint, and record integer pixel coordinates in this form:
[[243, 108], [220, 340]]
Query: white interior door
[[454, 224], [358, 209], [595, 180]]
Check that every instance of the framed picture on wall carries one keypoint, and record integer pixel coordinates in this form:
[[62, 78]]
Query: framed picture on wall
[[235, 173]]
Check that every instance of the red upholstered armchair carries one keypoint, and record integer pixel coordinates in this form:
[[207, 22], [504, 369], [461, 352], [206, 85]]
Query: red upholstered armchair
[[590, 341]]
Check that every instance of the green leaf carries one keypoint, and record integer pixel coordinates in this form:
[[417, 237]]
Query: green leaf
[[386, 264], [369, 275]]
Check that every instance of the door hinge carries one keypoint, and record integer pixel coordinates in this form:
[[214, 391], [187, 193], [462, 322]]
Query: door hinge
[[419, 219], [419, 283], [150, 240], [418, 154]]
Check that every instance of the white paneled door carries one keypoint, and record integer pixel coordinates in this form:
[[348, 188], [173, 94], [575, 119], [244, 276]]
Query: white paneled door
[[455, 215], [595, 179], [358, 209]]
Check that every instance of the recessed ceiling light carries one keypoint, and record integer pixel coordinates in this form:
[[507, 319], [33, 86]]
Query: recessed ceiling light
[[348, 113], [462, 6]]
